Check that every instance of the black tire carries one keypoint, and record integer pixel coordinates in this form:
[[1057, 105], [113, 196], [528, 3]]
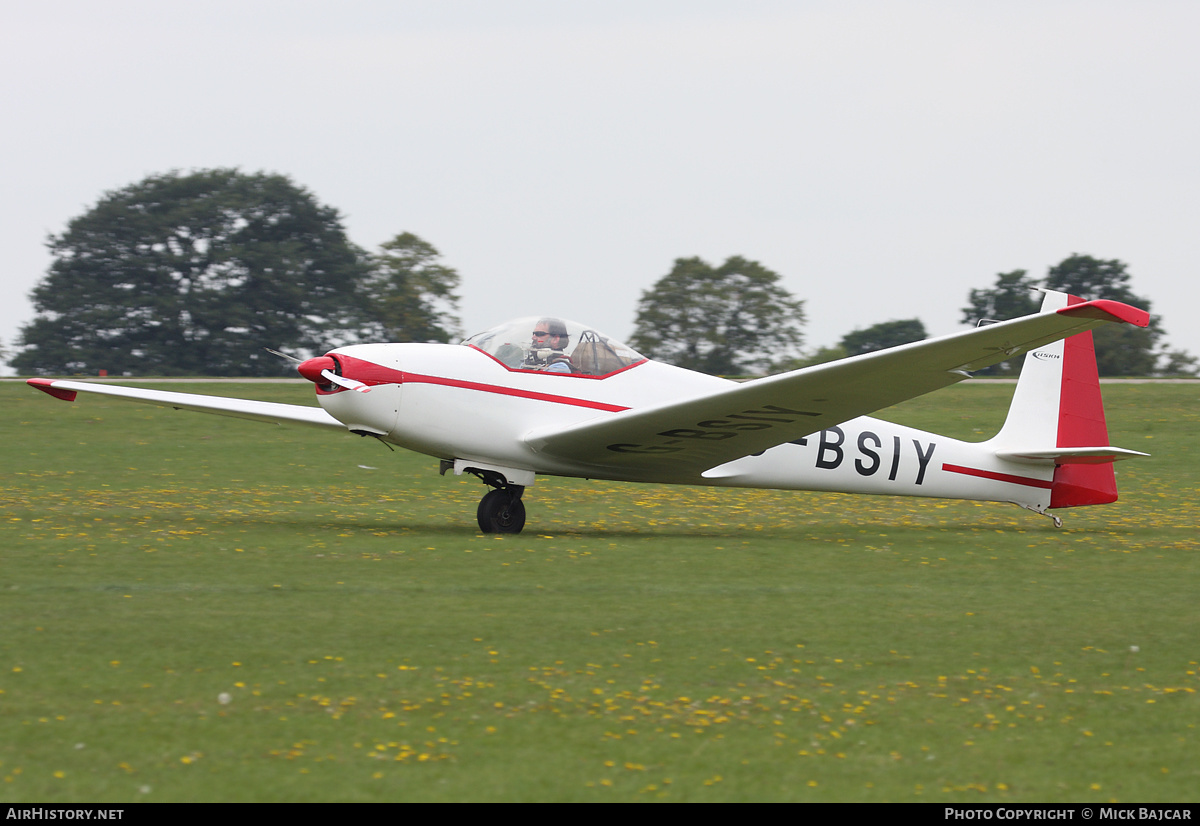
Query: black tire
[[501, 512]]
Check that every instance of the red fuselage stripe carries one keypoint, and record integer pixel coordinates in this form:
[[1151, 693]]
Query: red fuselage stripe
[[999, 477], [372, 374], [512, 391]]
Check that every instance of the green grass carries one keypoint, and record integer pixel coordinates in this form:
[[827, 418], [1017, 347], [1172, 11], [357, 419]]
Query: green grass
[[635, 643]]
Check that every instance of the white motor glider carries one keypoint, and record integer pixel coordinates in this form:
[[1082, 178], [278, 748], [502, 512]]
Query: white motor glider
[[548, 396]]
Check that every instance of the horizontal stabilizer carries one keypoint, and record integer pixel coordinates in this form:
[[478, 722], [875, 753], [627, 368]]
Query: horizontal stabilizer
[[1071, 455], [1105, 310]]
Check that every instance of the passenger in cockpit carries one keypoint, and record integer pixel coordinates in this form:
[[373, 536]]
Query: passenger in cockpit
[[547, 348]]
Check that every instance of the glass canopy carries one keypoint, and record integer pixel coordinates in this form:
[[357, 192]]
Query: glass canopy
[[554, 345]]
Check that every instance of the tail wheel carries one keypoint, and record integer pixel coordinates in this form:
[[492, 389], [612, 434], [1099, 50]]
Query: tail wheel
[[501, 512]]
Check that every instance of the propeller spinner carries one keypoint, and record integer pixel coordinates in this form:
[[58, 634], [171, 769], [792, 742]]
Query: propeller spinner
[[320, 370]]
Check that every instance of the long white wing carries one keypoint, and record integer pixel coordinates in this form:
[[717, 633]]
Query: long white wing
[[273, 412], [697, 434]]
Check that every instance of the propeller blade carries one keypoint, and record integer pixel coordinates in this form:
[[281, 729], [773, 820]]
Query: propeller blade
[[342, 381], [283, 355]]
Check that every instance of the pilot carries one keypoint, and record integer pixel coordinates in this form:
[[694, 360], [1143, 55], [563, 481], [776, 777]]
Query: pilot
[[550, 339]]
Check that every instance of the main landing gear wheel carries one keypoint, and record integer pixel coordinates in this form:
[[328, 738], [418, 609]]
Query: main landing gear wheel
[[500, 511]]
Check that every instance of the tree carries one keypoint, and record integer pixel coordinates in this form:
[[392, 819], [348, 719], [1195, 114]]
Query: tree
[[1121, 349], [1013, 296], [727, 320], [1178, 363], [882, 336], [408, 295], [194, 273], [1092, 278]]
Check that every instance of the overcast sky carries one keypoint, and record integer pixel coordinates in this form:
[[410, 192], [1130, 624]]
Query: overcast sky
[[884, 157]]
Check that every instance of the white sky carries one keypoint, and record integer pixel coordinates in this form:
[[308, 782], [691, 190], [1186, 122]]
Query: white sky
[[884, 156]]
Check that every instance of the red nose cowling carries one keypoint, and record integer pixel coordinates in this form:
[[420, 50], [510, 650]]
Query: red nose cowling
[[312, 368]]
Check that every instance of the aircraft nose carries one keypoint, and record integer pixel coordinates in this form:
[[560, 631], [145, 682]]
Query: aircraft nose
[[312, 368]]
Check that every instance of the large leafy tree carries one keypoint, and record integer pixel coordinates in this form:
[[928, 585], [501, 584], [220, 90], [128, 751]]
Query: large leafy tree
[[194, 273], [409, 295], [1121, 349], [1092, 278], [883, 335], [733, 319], [1012, 296]]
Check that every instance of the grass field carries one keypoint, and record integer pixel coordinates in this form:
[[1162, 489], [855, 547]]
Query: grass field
[[198, 608]]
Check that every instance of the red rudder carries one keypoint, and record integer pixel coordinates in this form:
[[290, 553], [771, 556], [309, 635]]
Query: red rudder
[[1081, 424]]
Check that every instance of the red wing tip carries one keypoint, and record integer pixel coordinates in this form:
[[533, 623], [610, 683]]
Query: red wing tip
[[1108, 310], [47, 386]]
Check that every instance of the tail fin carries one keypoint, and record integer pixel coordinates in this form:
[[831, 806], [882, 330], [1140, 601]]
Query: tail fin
[[1057, 415]]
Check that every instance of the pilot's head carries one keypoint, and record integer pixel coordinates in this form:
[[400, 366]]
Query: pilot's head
[[551, 333]]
